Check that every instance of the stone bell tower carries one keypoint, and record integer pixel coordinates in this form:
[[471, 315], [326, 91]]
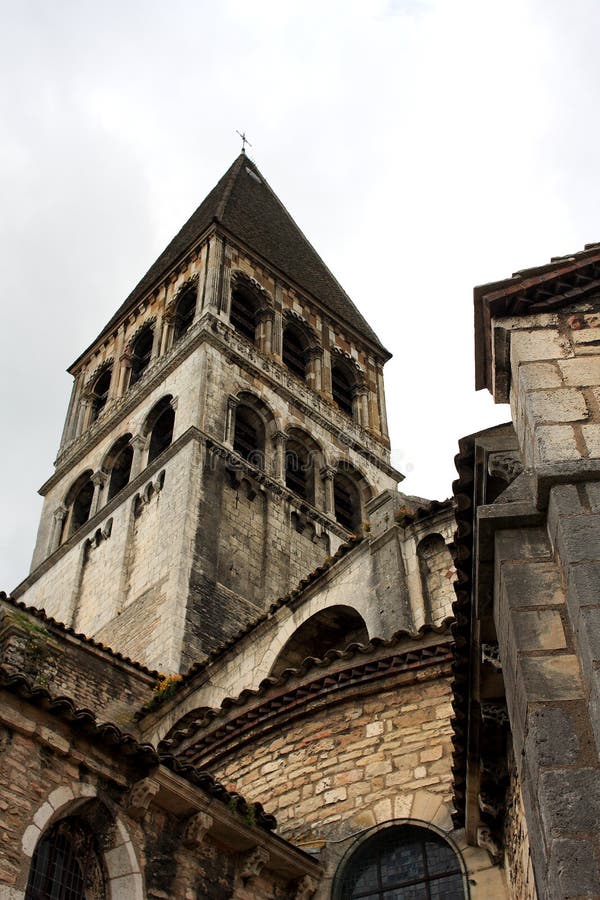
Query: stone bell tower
[[225, 433]]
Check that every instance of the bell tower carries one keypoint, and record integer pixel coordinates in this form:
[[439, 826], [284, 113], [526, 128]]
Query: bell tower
[[225, 432]]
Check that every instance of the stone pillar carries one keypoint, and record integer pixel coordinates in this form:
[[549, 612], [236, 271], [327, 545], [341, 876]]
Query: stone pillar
[[277, 336], [268, 335], [138, 442], [381, 398], [280, 438], [362, 406], [58, 519], [98, 479], [328, 475], [315, 356], [82, 416], [124, 366], [225, 280], [167, 331], [230, 420], [70, 428], [113, 390], [265, 329], [156, 338], [213, 275]]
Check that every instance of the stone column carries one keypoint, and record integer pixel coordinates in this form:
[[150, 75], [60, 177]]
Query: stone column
[[328, 475], [277, 335], [230, 420], [315, 355], [113, 390], [362, 405], [156, 338], [138, 442], [265, 329], [167, 331], [57, 527], [73, 412], [382, 411], [124, 366], [82, 416], [98, 479], [225, 281], [280, 438], [213, 275]]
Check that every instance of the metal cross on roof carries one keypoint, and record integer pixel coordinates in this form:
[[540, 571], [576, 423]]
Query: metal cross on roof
[[245, 140]]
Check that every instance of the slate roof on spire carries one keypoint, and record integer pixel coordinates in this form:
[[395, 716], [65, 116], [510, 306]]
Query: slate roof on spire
[[244, 204]]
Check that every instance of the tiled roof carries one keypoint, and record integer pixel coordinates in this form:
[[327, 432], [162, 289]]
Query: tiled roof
[[365, 662], [244, 204], [48, 620], [107, 733]]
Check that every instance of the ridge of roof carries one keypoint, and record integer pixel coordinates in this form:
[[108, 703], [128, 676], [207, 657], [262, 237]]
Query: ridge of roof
[[60, 626], [236, 207], [66, 709]]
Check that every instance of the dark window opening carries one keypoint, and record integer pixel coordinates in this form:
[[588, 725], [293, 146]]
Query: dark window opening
[[141, 353], [249, 436], [342, 390], [333, 628], [347, 503], [243, 316], [298, 471], [120, 471], [82, 504], [162, 433], [65, 865], [403, 861], [184, 315], [294, 354], [100, 393]]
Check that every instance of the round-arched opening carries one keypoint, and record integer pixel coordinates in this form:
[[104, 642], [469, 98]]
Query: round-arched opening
[[244, 312], [330, 629], [184, 313], [294, 353], [342, 388], [141, 351], [162, 423], [78, 503], [346, 499], [100, 392], [299, 471], [118, 464], [249, 435], [67, 864], [402, 861]]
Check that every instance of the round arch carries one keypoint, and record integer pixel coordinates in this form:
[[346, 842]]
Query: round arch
[[402, 855], [254, 426], [117, 464], [351, 493], [304, 460], [332, 628], [78, 503], [159, 425], [119, 858]]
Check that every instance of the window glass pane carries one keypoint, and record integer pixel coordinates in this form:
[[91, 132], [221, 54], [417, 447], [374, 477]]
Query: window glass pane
[[440, 858], [447, 888], [412, 892], [366, 879], [400, 863]]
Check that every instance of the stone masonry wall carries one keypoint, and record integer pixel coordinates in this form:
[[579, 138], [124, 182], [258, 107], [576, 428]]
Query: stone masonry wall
[[518, 865], [345, 766]]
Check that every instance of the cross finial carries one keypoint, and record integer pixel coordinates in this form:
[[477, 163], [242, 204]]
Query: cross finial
[[245, 140]]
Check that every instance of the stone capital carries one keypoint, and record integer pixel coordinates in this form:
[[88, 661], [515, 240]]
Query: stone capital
[[59, 513], [98, 478]]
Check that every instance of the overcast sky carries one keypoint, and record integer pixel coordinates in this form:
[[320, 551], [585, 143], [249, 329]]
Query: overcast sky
[[423, 147]]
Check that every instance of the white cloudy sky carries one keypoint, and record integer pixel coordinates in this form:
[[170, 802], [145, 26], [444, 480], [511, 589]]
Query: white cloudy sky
[[423, 147]]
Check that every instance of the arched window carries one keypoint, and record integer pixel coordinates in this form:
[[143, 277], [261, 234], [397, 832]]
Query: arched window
[[249, 436], [346, 499], [100, 392], [160, 424], [184, 312], [299, 471], [244, 312], [331, 629], [118, 465], [294, 353], [66, 865], [78, 503], [402, 861], [342, 388], [141, 351]]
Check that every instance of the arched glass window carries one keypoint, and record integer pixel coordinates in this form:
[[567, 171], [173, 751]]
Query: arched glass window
[[294, 353], [100, 393], [119, 464], [65, 865], [141, 351], [346, 499], [184, 313], [249, 436], [162, 431], [342, 389], [244, 313], [402, 862]]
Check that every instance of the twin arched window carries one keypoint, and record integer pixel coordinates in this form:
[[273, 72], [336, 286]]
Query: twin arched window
[[295, 351], [184, 312], [100, 390], [141, 352], [402, 861], [244, 312]]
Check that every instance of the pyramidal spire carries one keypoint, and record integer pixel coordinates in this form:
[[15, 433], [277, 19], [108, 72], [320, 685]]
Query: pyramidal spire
[[244, 205]]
